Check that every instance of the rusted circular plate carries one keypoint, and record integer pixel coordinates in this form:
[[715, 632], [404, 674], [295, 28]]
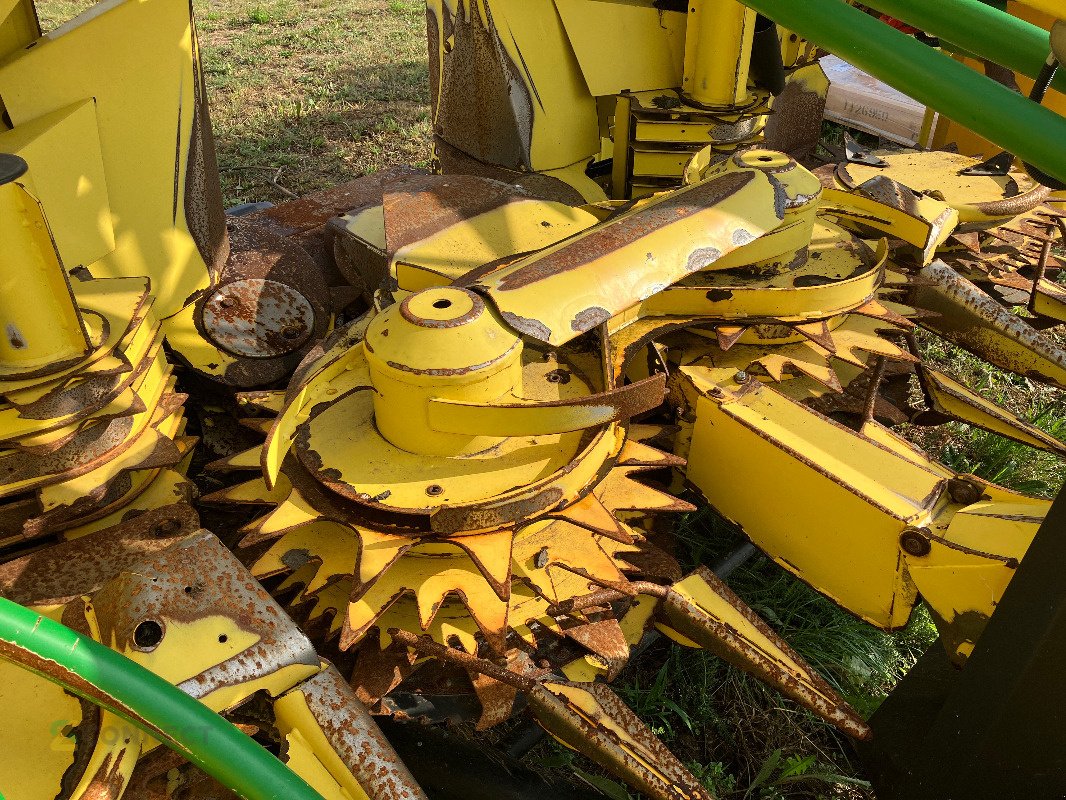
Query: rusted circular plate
[[252, 347], [258, 318]]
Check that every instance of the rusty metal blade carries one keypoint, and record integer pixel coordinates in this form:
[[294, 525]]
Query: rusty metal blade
[[707, 613], [591, 719], [976, 322]]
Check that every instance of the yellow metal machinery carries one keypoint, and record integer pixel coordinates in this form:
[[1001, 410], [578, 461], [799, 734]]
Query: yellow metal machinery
[[612, 98], [618, 292], [241, 307]]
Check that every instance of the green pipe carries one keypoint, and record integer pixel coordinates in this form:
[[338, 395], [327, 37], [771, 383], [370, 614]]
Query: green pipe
[[114, 682], [980, 29], [1033, 133]]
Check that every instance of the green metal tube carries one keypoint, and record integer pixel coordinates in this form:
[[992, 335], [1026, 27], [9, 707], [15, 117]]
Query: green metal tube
[[1033, 133], [980, 29], [112, 681]]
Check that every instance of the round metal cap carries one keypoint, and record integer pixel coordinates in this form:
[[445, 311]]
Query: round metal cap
[[12, 167]]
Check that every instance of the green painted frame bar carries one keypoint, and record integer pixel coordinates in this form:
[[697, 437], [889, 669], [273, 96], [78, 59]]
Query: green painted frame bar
[[980, 29], [112, 681], [1033, 133]]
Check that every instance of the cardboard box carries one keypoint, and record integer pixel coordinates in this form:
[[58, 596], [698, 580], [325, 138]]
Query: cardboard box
[[861, 101]]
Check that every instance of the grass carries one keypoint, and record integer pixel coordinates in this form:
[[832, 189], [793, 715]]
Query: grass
[[971, 450], [321, 90], [741, 737], [305, 95]]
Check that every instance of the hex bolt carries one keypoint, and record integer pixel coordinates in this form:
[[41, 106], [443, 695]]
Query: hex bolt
[[558, 376], [741, 376], [434, 490]]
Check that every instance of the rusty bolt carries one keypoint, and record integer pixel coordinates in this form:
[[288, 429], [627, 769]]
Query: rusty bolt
[[965, 491], [434, 490], [292, 332], [227, 301], [915, 543]]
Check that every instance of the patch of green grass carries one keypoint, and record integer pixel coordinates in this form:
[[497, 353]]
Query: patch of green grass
[[326, 90], [259, 16]]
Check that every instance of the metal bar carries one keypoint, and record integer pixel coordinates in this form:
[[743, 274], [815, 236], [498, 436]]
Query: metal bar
[[1030, 131], [979, 29], [718, 53], [107, 678]]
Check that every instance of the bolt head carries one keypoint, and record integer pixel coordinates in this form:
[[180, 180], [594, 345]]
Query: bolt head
[[914, 543]]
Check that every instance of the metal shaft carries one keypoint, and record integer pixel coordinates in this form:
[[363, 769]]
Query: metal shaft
[[1032, 132], [980, 29], [718, 52], [40, 322]]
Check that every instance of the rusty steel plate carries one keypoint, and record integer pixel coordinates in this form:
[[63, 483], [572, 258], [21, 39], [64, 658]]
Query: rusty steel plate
[[258, 318]]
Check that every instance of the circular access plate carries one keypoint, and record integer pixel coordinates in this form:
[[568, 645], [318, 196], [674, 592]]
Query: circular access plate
[[258, 318]]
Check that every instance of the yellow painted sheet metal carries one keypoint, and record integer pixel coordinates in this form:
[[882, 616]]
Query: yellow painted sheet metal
[[117, 52], [39, 722], [775, 297], [1052, 8], [309, 752], [826, 503], [963, 571], [625, 46], [111, 309], [41, 324], [1049, 300], [584, 281], [18, 27], [927, 224], [67, 176], [521, 226], [648, 162], [534, 419]]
